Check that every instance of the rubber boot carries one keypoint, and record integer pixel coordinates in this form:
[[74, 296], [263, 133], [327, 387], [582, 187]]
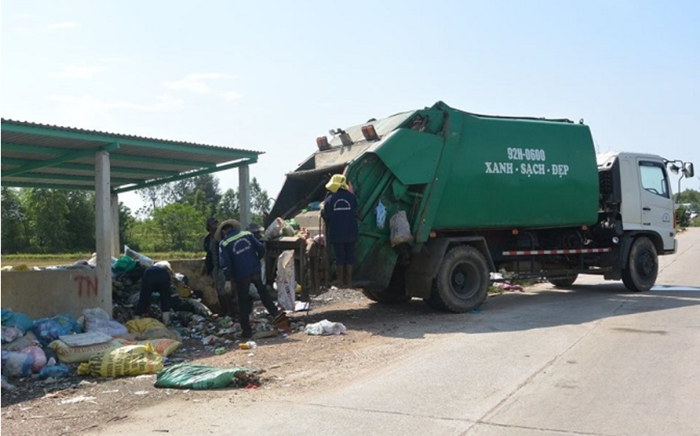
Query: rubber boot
[[348, 276], [339, 276]]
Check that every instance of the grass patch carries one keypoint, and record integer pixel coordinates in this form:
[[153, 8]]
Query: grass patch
[[68, 258]]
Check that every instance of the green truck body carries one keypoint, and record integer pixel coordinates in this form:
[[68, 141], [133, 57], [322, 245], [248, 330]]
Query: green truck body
[[474, 188]]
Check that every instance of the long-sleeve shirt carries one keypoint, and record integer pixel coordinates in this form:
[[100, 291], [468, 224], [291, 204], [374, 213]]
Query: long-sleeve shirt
[[239, 255], [339, 211]]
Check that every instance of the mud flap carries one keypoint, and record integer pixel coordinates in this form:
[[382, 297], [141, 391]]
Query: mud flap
[[424, 266]]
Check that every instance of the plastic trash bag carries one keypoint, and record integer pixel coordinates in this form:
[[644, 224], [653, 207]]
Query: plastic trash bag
[[6, 385], [143, 260], [380, 210], [275, 229], [400, 228], [54, 371], [16, 319], [17, 364], [10, 333], [124, 264], [285, 280], [324, 328], [38, 357], [189, 376], [48, 330], [107, 326], [66, 321], [25, 341]]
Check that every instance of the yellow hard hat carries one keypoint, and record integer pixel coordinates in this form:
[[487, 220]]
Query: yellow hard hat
[[337, 181]]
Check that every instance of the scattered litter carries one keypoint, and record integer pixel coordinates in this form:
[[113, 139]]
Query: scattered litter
[[506, 286], [141, 393], [302, 306], [6, 385], [247, 345], [78, 399], [325, 327]]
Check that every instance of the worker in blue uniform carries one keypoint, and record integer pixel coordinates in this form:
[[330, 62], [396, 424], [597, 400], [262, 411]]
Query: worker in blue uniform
[[339, 213], [239, 256]]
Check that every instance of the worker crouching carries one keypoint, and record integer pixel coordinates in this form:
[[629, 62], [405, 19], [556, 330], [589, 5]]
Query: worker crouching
[[239, 256]]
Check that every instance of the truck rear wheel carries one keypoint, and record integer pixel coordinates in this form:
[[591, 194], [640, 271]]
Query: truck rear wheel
[[394, 293], [563, 282], [462, 281], [642, 266]]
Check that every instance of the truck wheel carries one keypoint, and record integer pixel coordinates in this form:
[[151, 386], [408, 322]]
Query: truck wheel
[[563, 282], [394, 293], [642, 267], [462, 281]]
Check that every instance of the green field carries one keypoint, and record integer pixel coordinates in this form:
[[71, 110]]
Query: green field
[[68, 258]]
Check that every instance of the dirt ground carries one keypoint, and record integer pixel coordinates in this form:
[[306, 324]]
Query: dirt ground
[[289, 365]]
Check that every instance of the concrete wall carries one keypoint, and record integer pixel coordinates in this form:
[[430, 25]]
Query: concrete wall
[[42, 294]]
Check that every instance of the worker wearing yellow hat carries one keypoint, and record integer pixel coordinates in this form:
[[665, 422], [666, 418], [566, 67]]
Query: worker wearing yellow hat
[[339, 213]]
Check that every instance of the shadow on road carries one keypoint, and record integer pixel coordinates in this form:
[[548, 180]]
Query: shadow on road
[[541, 307]]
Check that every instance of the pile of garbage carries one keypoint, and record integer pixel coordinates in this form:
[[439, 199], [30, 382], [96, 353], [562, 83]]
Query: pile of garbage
[[99, 344], [95, 345]]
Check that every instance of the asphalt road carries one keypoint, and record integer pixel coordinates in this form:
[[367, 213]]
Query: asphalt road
[[593, 360]]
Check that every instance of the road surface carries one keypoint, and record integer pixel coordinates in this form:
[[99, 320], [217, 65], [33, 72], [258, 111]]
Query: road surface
[[593, 360]]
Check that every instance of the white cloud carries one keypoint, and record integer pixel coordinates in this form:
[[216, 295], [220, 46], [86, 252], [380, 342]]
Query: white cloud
[[94, 113], [202, 84], [63, 25], [78, 72]]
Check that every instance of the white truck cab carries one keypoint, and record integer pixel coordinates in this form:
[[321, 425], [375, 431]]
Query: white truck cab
[[640, 189]]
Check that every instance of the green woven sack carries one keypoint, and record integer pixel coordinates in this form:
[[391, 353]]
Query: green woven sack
[[199, 377]]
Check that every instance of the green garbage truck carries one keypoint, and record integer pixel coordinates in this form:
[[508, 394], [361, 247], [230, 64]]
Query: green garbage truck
[[488, 197]]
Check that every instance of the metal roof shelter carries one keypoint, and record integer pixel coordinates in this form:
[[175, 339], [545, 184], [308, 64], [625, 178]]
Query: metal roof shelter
[[45, 156]]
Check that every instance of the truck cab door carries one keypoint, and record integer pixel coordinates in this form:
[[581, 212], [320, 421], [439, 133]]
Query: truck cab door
[[656, 200]]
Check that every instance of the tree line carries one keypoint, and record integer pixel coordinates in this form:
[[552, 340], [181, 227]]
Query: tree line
[[172, 219]]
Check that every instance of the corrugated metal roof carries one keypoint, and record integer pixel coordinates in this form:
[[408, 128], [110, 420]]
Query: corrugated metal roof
[[43, 155]]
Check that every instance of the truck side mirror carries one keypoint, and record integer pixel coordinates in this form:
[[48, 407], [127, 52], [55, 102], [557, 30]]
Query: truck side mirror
[[688, 170]]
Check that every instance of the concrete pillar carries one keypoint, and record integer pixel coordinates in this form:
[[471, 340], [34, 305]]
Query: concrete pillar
[[244, 194], [103, 225], [116, 243]]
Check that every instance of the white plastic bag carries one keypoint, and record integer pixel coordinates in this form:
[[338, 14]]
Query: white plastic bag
[[324, 328], [285, 280], [381, 215], [275, 229], [143, 260], [400, 229]]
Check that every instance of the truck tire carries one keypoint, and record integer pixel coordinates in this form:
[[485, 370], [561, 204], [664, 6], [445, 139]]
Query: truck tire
[[642, 266], [462, 281], [563, 282], [394, 293]]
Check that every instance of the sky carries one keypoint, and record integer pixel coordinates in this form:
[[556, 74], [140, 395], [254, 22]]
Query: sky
[[273, 76]]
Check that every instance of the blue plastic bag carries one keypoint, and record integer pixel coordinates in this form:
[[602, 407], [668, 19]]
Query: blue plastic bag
[[55, 371], [381, 215], [66, 321], [48, 330], [11, 318]]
